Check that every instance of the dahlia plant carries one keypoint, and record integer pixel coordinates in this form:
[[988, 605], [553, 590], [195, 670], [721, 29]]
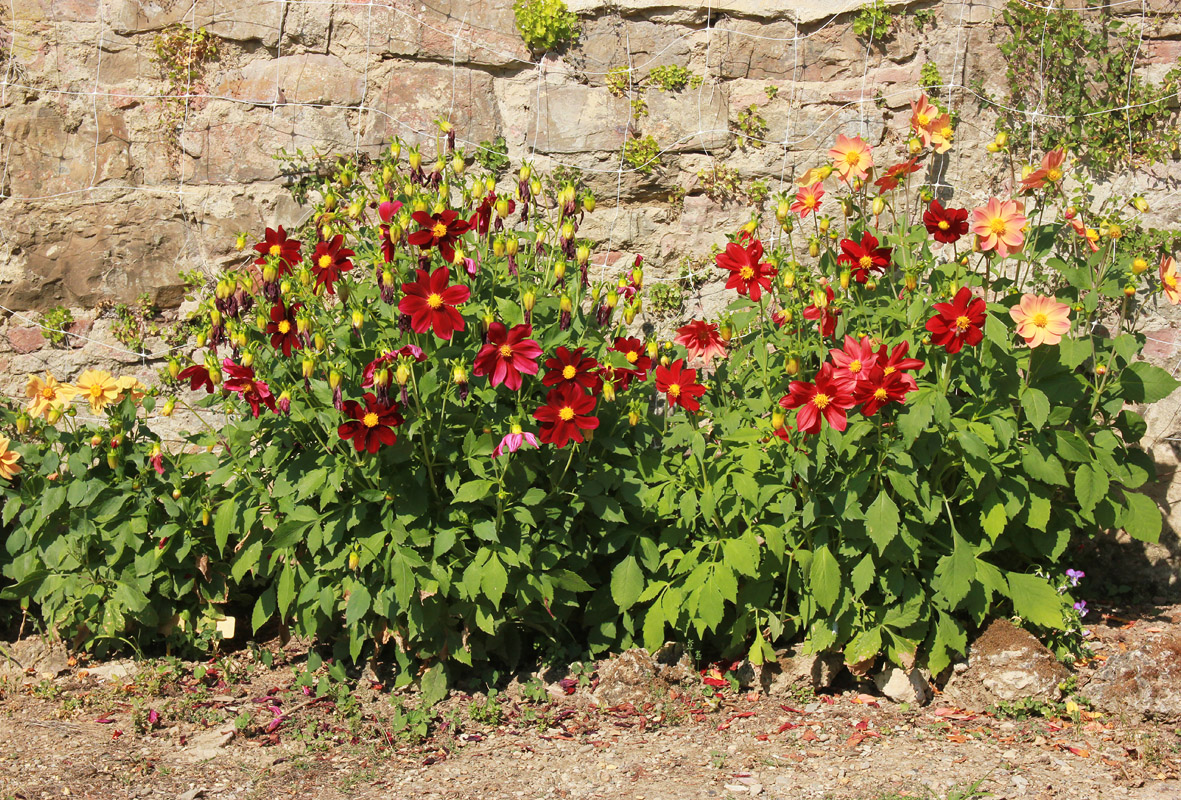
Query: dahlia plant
[[436, 430]]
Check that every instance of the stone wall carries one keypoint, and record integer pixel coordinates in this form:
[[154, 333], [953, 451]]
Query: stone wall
[[107, 193]]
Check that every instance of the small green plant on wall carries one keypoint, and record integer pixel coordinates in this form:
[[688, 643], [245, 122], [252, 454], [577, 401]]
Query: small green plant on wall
[[54, 323], [182, 54], [874, 21], [752, 128], [642, 154], [545, 24], [672, 78]]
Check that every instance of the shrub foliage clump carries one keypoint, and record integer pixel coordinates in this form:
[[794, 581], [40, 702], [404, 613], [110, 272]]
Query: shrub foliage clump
[[430, 428]]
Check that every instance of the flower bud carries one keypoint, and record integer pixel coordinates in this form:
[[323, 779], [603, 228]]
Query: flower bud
[[911, 281], [1140, 204], [609, 391], [992, 147], [302, 324], [96, 440], [457, 164], [535, 186], [824, 223], [528, 299], [240, 242], [358, 318], [502, 207], [588, 203], [354, 560], [582, 254], [402, 374], [215, 317], [566, 304], [1129, 291], [356, 208], [848, 206], [248, 359], [309, 366], [334, 379], [871, 285], [214, 374], [560, 270], [512, 245], [112, 460], [782, 210], [665, 361], [525, 173], [487, 320], [792, 366], [419, 204], [173, 368], [629, 314], [55, 413], [169, 407], [381, 377], [819, 298], [915, 146], [845, 276], [498, 247], [320, 342], [777, 420], [22, 423], [633, 418], [1139, 266], [269, 274], [458, 256], [459, 375], [1001, 139], [330, 201], [878, 206], [814, 248], [387, 174], [1101, 370]]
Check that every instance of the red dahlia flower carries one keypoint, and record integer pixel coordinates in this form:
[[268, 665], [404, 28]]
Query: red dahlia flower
[[701, 339], [747, 274], [959, 322], [679, 385], [330, 261], [897, 361], [945, 225], [439, 230], [895, 174], [507, 354], [881, 388], [430, 302], [570, 366], [634, 351], [857, 361], [565, 415], [284, 336], [826, 314], [241, 380], [370, 426], [864, 257], [197, 375], [829, 398], [276, 243]]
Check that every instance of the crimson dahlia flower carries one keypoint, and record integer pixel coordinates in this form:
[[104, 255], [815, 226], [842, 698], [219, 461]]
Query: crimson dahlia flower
[[565, 415], [507, 354], [370, 426], [431, 302]]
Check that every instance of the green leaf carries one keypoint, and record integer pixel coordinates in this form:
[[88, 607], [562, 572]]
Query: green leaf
[[956, 571], [1144, 383], [223, 522], [627, 582], [1090, 485], [825, 576], [359, 603], [494, 581], [1142, 518], [264, 609], [473, 491], [570, 581], [286, 590], [434, 684], [881, 520], [1036, 406], [654, 627], [863, 575], [1035, 600]]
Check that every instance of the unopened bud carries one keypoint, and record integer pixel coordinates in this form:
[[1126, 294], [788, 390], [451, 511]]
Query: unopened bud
[[512, 245], [582, 254], [777, 420], [22, 423], [878, 206], [1001, 139], [911, 281], [915, 146], [653, 349], [358, 318], [633, 418], [588, 203], [566, 304], [792, 366], [1140, 204], [609, 391], [248, 359], [528, 299], [845, 276], [173, 368], [1139, 266], [320, 342], [814, 248], [502, 207], [169, 407], [459, 375], [560, 270], [498, 246], [240, 242], [309, 366], [402, 374], [334, 379]]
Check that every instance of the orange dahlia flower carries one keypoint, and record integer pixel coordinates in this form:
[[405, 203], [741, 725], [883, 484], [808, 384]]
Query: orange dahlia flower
[[1000, 226], [8, 458], [923, 116], [1040, 319], [851, 157], [1169, 280]]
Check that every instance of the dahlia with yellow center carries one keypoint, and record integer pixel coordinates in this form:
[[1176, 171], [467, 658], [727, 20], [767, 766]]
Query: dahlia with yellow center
[[1170, 281], [98, 388], [8, 458], [506, 351], [999, 226], [851, 157], [962, 323], [855, 366], [284, 327], [1040, 319], [632, 357], [47, 395]]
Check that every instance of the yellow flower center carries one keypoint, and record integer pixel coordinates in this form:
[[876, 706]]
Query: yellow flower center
[[674, 390], [369, 420], [439, 231], [1170, 280], [855, 365], [889, 370], [325, 261], [49, 393], [924, 120], [434, 300], [865, 262], [633, 356], [569, 371], [946, 132], [944, 224], [515, 429], [962, 323], [997, 226], [97, 390], [567, 413], [506, 351], [747, 273], [1054, 174], [880, 394], [821, 400], [275, 250], [852, 158], [1040, 319], [284, 327]]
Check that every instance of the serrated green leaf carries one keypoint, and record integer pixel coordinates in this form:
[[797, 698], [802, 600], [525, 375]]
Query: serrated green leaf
[[1035, 600], [434, 684], [1144, 383], [881, 521], [473, 491], [1142, 518], [825, 577], [1090, 485], [1036, 406], [627, 582], [956, 571]]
